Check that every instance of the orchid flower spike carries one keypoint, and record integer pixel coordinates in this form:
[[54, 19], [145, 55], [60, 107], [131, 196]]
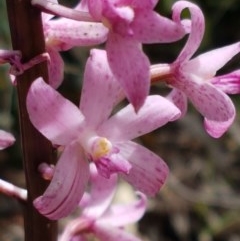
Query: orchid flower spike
[[90, 134], [194, 78], [101, 218]]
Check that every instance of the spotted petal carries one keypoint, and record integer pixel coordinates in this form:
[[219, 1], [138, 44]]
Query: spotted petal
[[150, 27], [148, 172], [132, 71], [212, 103]]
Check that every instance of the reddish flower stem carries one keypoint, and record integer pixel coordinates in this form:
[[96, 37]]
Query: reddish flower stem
[[27, 36]]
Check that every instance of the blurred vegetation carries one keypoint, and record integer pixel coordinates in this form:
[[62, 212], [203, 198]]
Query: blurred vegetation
[[201, 200]]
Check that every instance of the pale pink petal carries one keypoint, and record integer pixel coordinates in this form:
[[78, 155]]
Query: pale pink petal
[[99, 86], [66, 33], [95, 8], [178, 98], [101, 194], [150, 27], [108, 233], [125, 213], [197, 28], [228, 83], [130, 66], [67, 186], [126, 124], [148, 172], [55, 68], [212, 103], [6, 139], [206, 65], [55, 117]]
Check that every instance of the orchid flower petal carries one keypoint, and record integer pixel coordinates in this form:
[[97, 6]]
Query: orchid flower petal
[[179, 99], [55, 68], [68, 33], [106, 233], [213, 104], [137, 83], [55, 117], [125, 213], [99, 86], [157, 29], [127, 125], [6, 139], [228, 83], [148, 172], [101, 194], [206, 65], [67, 186], [95, 8], [197, 29]]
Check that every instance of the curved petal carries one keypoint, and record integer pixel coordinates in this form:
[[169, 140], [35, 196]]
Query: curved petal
[[55, 117], [206, 65], [130, 66], [55, 68], [125, 213], [127, 124], [150, 27], [99, 86], [108, 233], [212, 103], [148, 172], [179, 99], [101, 194], [67, 186], [197, 29], [6, 139], [66, 33]]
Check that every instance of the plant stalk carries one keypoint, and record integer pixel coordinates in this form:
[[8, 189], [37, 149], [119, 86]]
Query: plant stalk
[[27, 36]]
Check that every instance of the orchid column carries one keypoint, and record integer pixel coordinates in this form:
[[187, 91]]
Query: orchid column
[[27, 36]]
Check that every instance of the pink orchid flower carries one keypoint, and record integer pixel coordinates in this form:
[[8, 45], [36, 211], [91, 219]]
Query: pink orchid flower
[[62, 34], [100, 218], [131, 23], [89, 133], [193, 78]]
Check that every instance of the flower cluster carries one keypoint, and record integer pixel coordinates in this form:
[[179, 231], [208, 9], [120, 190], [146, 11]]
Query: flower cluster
[[97, 141]]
